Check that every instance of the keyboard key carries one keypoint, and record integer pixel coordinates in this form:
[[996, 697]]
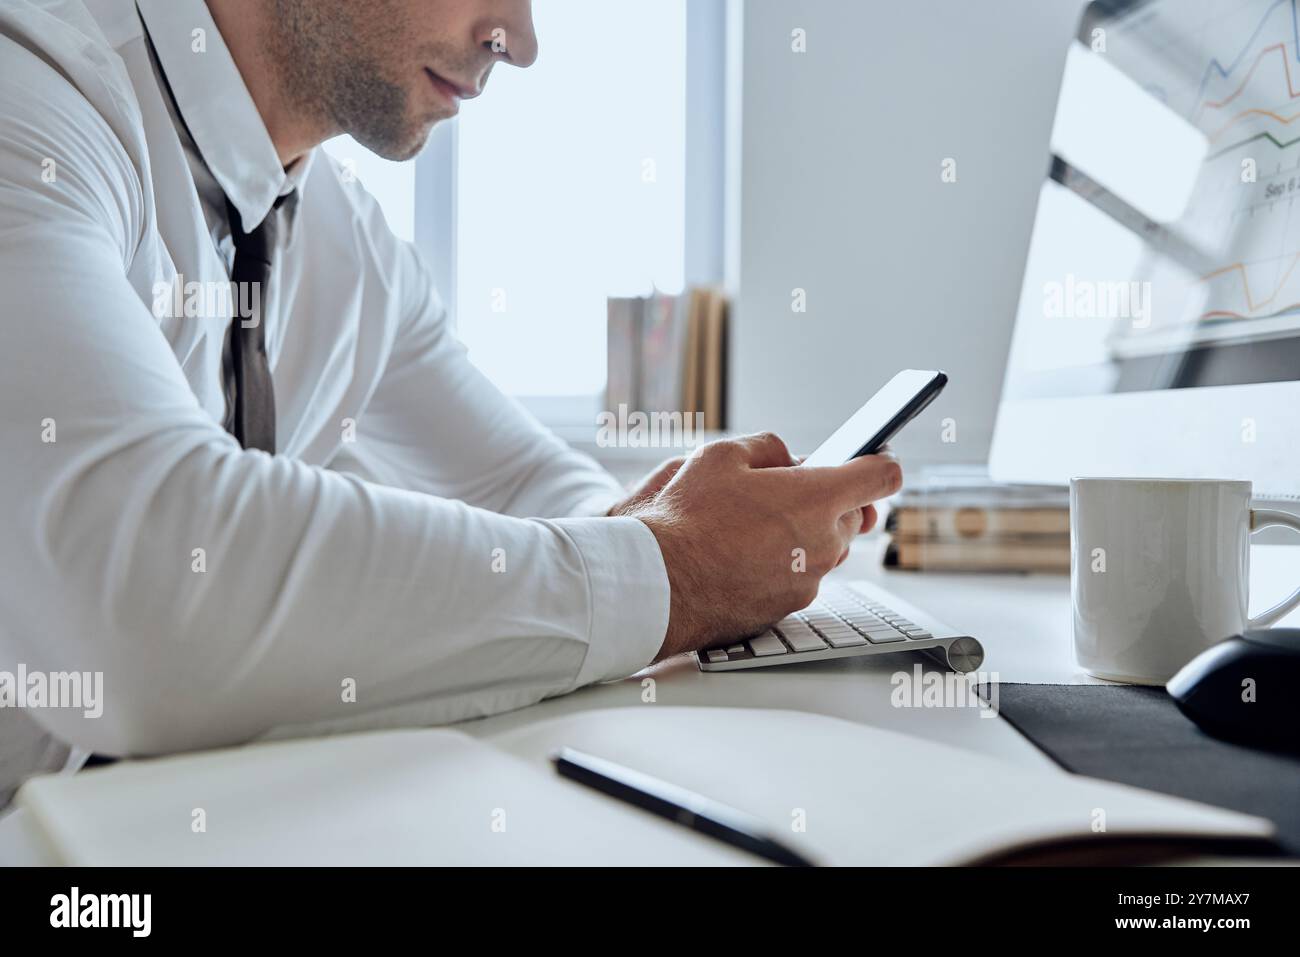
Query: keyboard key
[[797, 630], [859, 620], [917, 634], [885, 637], [736, 650], [767, 644], [808, 641], [793, 626], [717, 654], [845, 641]]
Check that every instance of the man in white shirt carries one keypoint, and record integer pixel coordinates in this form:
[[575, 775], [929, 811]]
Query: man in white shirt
[[317, 514]]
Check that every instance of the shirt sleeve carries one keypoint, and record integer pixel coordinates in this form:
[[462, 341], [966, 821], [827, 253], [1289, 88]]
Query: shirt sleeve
[[223, 593], [436, 424]]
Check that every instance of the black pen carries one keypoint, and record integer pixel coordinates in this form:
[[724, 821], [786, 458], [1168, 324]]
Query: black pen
[[676, 804]]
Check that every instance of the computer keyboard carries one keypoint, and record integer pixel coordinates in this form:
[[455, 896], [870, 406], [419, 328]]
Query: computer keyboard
[[848, 620]]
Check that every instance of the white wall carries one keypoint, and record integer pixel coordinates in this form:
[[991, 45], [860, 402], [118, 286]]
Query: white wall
[[841, 196]]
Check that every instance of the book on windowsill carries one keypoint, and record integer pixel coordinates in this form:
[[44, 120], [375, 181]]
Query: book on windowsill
[[668, 354]]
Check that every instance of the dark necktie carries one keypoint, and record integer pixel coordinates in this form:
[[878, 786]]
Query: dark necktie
[[250, 395]]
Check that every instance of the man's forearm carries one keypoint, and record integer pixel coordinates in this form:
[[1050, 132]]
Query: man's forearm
[[291, 595]]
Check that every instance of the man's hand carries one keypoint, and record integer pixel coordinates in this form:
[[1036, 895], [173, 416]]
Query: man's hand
[[747, 535], [649, 487]]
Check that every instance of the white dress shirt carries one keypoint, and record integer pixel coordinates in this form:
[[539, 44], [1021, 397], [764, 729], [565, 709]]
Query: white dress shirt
[[418, 537]]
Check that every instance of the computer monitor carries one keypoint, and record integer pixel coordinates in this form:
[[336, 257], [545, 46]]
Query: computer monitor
[[1158, 332]]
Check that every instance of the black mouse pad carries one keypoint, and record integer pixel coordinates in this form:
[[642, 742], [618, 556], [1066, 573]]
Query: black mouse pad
[[1136, 735]]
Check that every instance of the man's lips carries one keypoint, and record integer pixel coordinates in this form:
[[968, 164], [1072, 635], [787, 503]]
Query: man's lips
[[449, 88]]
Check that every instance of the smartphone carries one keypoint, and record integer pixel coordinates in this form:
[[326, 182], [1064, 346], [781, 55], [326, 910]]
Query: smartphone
[[900, 401]]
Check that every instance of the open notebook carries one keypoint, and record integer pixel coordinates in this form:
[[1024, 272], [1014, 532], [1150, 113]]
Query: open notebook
[[840, 792]]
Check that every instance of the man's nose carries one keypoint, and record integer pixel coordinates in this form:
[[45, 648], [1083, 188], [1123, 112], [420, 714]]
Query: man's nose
[[512, 39]]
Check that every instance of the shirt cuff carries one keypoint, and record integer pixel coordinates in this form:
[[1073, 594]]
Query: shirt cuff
[[598, 504], [628, 584]]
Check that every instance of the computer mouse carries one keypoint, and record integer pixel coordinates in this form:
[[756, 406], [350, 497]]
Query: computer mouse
[[1245, 689]]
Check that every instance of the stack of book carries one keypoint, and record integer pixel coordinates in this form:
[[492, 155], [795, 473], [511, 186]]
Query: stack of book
[[957, 520], [669, 354]]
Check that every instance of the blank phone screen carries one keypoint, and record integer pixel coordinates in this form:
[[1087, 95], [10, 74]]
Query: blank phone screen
[[868, 421]]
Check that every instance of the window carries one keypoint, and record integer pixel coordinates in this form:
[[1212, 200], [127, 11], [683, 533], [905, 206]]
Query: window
[[570, 180], [567, 183]]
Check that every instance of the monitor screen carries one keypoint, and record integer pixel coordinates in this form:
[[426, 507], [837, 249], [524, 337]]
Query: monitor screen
[[1161, 293]]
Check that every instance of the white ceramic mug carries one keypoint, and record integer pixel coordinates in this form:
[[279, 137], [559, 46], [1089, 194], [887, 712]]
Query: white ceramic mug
[[1160, 570]]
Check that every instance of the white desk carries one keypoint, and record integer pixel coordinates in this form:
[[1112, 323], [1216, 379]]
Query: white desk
[[1014, 615], [1022, 620]]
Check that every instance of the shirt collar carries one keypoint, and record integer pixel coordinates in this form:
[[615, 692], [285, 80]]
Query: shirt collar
[[217, 108]]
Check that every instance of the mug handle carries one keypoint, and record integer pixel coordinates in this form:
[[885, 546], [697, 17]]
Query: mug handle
[[1261, 518]]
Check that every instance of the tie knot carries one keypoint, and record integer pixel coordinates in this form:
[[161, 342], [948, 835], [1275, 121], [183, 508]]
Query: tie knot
[[258, 243]]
